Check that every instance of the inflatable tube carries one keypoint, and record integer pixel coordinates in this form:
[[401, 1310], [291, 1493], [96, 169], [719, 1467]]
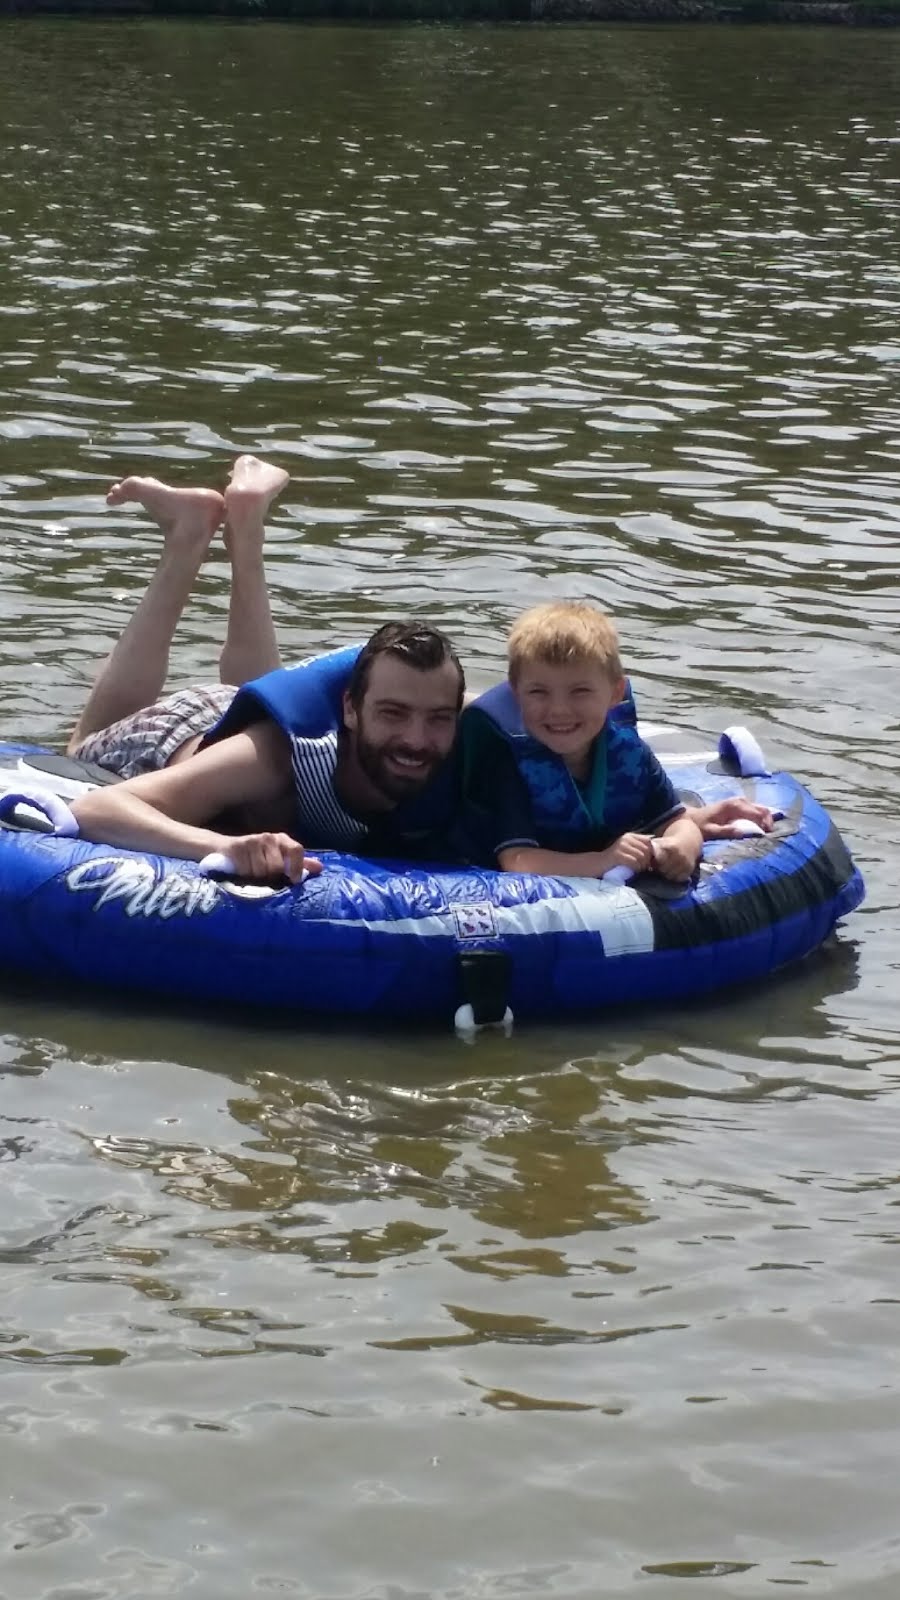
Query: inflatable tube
[[382, 939]]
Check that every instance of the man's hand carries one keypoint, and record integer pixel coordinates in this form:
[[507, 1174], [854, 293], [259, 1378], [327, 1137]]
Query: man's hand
[[717, 821], [270, 855]]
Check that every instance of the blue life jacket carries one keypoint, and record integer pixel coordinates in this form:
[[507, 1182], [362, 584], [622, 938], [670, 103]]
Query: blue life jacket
[[568, 815], [305, 700]]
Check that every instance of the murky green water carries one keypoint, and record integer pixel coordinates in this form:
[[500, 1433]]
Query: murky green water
[[605, 1311]]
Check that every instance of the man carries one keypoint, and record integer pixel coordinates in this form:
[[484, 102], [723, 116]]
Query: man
[[377, 778], [349, 750], [346, 751]]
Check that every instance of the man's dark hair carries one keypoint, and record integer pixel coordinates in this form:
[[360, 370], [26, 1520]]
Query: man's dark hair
[[415, 643]]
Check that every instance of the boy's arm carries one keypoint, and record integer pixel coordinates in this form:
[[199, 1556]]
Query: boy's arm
[[678, 840], [722, 819], [633, 850], [167, 811]]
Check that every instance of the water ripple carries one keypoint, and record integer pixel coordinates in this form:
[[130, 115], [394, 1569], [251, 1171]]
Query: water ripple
[[524, 313]]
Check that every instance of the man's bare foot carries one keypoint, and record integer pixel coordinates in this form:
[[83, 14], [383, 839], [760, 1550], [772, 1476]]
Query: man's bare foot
[[182, 514], [251, 490]]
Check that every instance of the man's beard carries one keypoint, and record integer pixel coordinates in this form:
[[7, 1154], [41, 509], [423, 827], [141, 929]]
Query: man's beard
[[388, 780]]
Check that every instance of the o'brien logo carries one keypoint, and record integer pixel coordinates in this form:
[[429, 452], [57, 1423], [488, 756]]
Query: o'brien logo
[[141, 892]]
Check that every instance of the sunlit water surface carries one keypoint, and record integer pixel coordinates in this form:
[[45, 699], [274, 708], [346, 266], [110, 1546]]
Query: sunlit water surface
[[602, 1310]]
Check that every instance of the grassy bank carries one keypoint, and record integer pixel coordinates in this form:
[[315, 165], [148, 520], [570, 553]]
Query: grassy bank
[[841, 13]]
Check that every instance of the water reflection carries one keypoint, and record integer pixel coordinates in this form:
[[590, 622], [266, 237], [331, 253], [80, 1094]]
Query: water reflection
[[453, 1162]]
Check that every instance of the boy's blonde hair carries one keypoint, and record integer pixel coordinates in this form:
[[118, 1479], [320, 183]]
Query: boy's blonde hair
[[560, 632]]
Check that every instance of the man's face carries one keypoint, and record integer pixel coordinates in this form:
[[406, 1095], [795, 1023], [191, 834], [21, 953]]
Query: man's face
[[404, 727]]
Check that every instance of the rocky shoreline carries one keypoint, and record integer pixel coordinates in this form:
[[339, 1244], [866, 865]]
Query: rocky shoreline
[[821, 13]]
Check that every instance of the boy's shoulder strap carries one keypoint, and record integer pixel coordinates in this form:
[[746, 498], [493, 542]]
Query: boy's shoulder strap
[[501, 706], [624, 714]]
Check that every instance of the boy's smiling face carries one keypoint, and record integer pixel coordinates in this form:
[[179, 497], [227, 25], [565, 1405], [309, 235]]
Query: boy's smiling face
[[566, 705]]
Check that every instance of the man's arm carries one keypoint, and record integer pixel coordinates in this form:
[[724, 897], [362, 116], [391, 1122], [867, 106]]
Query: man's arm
[[167, 811]]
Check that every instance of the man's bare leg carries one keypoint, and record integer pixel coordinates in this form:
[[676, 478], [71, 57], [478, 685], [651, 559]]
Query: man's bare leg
[[134, 674], [251, 647]]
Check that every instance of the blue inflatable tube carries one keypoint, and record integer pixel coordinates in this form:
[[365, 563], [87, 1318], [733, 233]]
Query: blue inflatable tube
[[385, 940]]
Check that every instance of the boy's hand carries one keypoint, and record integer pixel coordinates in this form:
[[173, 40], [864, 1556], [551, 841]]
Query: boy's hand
[[677, 849], [674, 859], [270, 855], [716, 821], [633, 850]]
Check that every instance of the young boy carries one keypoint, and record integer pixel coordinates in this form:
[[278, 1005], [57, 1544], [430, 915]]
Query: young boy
[[556, 778]]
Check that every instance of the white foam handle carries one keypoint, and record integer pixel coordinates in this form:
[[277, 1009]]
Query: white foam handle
[[743, 828], [617, 875], [738, 747], [624, 874], [46, 804], [218, 864]]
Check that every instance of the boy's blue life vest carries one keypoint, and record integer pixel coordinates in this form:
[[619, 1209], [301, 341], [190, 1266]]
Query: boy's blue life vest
[[567, 815]]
